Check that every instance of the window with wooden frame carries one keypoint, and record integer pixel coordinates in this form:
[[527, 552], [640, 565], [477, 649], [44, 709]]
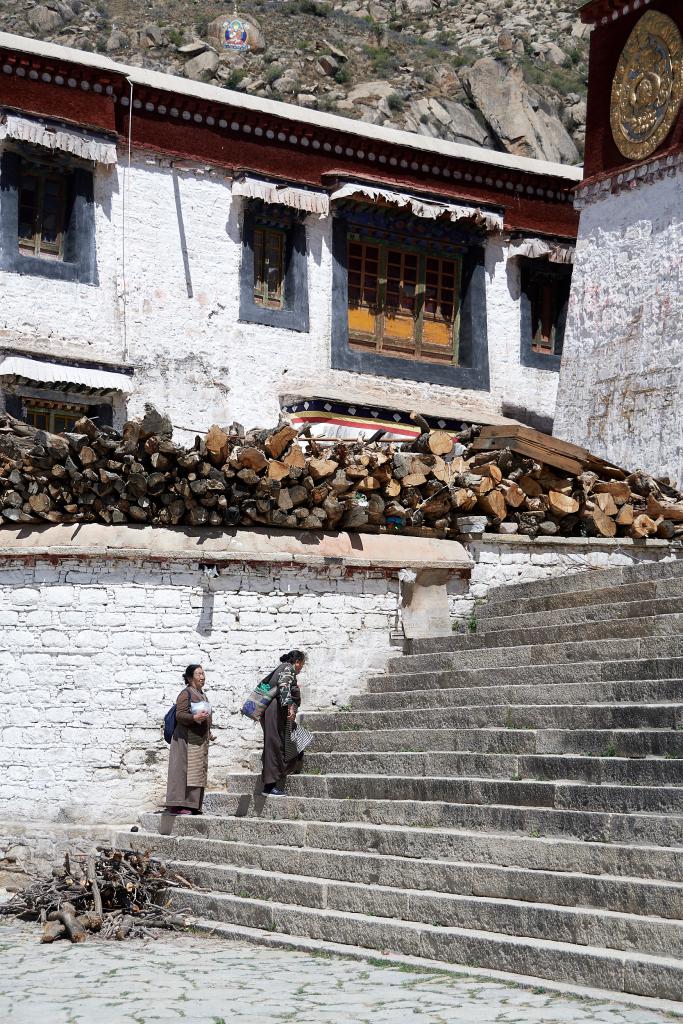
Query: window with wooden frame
[[546, 286], [402, 301], [42, 212], [53, 416], [269, 266]]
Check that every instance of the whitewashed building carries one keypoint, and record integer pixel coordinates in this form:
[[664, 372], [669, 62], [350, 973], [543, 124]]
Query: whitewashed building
[[622, 374], [223, 256]]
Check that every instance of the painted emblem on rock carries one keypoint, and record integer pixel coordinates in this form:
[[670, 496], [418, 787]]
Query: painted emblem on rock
[[648, 86], [236, 35]]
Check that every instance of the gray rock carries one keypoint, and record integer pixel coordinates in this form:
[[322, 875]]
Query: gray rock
[[335, 51], [202, 67], [117, 40], [464, 127], [555, 54], [501, 95], [288, 84], [306, 99], [505, 40], [154, 422], [371, 90], [43, 21], [328, 65], [193, 48], [153, 35], [419, 6]]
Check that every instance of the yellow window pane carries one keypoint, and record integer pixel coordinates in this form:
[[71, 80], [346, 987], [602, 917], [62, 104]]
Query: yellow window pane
[[361, 321], [399, 327], [437, 333]]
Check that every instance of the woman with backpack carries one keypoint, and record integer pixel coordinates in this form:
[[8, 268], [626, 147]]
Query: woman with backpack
[[188, 759], [281, 711]]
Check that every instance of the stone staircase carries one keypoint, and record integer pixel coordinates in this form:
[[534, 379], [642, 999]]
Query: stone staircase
[[510, 799]]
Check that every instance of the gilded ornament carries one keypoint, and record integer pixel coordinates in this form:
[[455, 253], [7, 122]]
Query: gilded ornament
[[647, 90]]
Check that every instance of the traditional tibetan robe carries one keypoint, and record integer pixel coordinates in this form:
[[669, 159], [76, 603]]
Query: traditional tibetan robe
[[274, 724], [188, 760]]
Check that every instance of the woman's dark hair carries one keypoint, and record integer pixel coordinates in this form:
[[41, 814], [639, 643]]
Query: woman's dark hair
[[293, 656], [189, 672]]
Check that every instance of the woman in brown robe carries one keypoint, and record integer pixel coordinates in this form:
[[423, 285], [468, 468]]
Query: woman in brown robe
[[188, 759], [281, 710]]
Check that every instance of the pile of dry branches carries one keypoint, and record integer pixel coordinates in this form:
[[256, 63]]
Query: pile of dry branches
[[117, 893]]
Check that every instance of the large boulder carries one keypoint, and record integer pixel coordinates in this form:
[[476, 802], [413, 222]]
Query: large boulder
[[502, 97], [232, 33], [202, 67], [43, 21]]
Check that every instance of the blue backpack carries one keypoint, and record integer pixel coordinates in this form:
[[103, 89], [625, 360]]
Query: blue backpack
[[169, 723]]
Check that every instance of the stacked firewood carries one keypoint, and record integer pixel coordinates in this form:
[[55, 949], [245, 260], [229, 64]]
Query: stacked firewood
[[281, 478], [117, 893]]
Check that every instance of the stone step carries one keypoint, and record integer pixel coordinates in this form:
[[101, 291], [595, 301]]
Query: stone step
[[500, 602], [548, 673], [555, 854], [511, 716], [582, 651], [503, 634], [568, 889], [622, 690], [594, 579], [650, 771], [561, 795], [582, 925], [581, 965], [632, 743], [633, 827], [585, 615]]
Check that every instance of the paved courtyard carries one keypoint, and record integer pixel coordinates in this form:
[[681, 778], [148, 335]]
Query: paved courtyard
[[205, 980]]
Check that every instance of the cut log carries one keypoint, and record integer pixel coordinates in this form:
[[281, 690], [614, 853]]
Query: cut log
[[625, 515], [619, 489], [492, 471], [278, 443], [463, 499], [216, 444], [277, 470], [513, 494], [318, 469], [493, 504], [605, 502], [251, 458], [531, 487], [643, 526], [673, 511], [562, 504], [413, 480], [599, 524]]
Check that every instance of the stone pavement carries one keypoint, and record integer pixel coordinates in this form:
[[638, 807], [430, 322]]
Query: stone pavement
[[199, 979]]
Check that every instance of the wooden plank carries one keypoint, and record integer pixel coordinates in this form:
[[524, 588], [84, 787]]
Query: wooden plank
[[532, 450]]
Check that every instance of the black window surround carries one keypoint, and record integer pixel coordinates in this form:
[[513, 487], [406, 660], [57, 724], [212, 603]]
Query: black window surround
[[16, 405], [79, 262], [472, 369], [532, 273], [294, 314]]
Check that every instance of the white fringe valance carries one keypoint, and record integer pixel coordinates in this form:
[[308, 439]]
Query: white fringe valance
[[538, 248], [284, 195], [58, 137], [422, 207], [64, 378]]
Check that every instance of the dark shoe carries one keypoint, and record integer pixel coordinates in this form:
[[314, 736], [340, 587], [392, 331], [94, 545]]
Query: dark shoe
[[273, 792], [179, 810]]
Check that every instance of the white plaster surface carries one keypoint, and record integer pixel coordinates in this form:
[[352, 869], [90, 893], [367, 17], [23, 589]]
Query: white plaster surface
[[622, 370], [92, 655], [192, 356]]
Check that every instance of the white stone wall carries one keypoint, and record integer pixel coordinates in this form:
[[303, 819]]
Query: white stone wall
[[501, 561], [192, 356], [92, 656], [622, 369]]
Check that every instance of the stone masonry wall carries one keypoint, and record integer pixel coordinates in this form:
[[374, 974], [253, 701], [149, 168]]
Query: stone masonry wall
[[622, 366], [179, 327], [92, 656]]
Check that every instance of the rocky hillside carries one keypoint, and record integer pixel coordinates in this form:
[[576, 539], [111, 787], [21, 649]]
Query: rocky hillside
[[504, 74]]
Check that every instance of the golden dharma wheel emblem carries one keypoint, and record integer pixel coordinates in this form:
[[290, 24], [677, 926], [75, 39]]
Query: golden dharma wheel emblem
[[648, 86]]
